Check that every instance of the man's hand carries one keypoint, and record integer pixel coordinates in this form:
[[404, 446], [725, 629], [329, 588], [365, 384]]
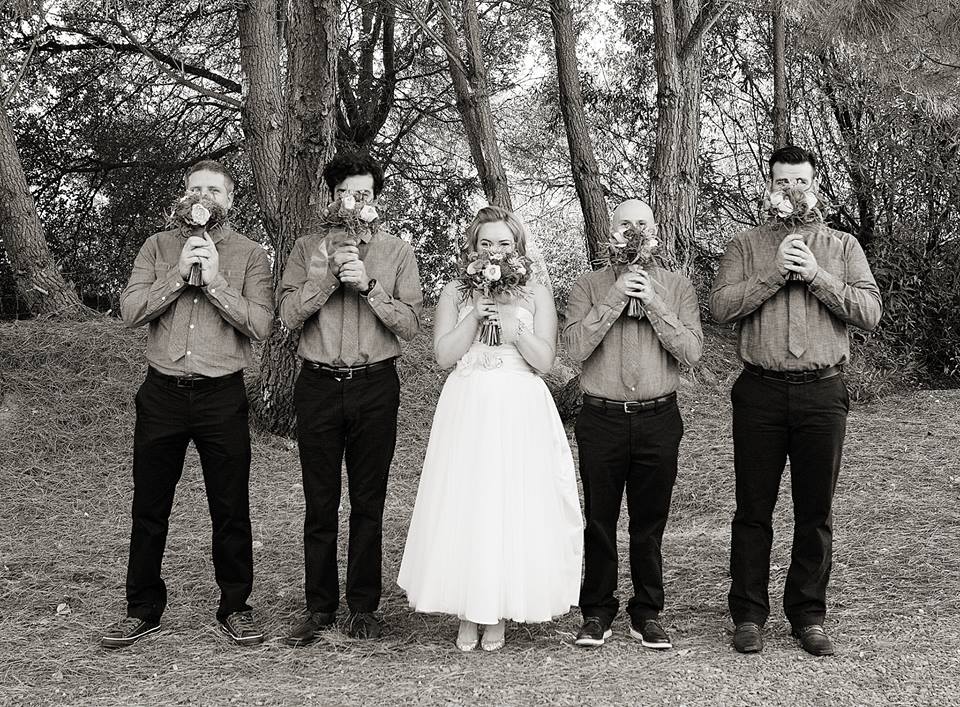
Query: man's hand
[[799, 258], [352, 272], [209, 259], [189, 255], [636, 284]]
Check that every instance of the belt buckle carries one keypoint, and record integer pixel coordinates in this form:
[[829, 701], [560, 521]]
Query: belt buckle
[[343, 374], [632, 406], [186, 382]]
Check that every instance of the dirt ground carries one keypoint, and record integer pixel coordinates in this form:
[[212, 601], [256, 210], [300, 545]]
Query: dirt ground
[[66, 420]]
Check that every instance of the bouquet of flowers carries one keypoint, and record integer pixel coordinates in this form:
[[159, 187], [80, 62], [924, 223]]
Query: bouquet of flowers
[[493, 274], [194, 215], [634, 249], [794, 207]]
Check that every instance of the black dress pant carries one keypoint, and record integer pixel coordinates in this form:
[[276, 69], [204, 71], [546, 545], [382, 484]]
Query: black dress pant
[[636, 451], [358, 418], [774, 420], [214, 415]]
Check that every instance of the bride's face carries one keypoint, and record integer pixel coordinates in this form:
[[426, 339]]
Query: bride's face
[[495, 237]]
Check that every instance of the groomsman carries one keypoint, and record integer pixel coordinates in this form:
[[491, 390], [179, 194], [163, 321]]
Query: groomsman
[[790, 401], [198, 342], [629, 429], [353, 301]]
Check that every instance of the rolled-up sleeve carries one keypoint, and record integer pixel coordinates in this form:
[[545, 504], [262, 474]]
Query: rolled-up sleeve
[[400, 310]]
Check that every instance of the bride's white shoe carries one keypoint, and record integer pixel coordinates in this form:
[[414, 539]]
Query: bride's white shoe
[[467, 636], [493, 636]]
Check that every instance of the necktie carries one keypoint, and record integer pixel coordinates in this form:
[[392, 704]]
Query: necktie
[[350, 333], [630, 331], [179, 327], [797, 318]]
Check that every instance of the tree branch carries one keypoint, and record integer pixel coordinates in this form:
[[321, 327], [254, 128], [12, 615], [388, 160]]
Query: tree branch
[[709, 13]]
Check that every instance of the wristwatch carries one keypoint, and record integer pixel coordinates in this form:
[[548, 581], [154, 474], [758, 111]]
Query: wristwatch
[[370, 286]]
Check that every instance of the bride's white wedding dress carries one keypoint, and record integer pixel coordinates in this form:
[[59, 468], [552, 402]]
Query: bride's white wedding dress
[[496, 532]]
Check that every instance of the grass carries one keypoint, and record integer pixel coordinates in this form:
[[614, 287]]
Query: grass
[[66, 421]]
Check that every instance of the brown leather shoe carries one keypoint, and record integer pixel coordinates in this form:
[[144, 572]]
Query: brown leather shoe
[[747, 638], [813, 639], [306, 631]]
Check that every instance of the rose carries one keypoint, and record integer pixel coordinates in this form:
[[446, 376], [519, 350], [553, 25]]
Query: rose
[[810, 198], [492, 272], [617, 239], [780, 202], [348, 202], [199, 214], [496, 256], [653, 243], [368, 213]]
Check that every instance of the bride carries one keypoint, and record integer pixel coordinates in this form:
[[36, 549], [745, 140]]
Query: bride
[[496, 531]]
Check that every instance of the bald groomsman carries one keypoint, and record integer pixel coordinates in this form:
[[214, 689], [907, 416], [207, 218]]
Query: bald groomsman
[[629, 428]]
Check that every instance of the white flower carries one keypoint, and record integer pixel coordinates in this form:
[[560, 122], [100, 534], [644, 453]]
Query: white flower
[[521, 270], [617, 238], [473, 267], [810, 198], [492, 272], [496, 256], [348, 202], [199, 214], [368, 213], [653, 242]]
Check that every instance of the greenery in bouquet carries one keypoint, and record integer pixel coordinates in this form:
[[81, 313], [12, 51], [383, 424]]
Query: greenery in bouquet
[[195, 215], [496, 275]]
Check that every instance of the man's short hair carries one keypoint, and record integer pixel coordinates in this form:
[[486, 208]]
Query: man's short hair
[[210, 166], [791, 154], [352, 164]]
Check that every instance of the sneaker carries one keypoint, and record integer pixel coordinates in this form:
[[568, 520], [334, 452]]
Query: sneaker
[[813, 639], [363, 624], [241, 627], [747, 638], [306, 631], [593, 632], [651, 635], [127, 632]]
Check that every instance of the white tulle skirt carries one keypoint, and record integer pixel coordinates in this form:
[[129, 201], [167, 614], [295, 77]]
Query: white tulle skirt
[[496, 532]]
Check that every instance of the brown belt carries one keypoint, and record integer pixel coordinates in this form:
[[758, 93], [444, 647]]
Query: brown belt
[[630, 407], [342, 373], [794, 377], [191, 381]]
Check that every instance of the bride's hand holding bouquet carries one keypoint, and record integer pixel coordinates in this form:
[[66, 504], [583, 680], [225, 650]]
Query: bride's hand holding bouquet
[[491, 277]]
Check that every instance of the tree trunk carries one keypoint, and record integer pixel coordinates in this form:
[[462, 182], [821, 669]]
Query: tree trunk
[[38, 281], [674, 177], [679, 28], [307, 144], [583, 164], [781, 114], [262, 111]]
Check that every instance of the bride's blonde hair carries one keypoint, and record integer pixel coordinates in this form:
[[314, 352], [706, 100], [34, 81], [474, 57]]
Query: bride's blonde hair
[[495, 214]]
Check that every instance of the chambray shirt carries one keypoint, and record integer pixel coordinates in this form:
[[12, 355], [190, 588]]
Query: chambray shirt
[[311, 296], [749, 290], [200, 330], [596, 323]]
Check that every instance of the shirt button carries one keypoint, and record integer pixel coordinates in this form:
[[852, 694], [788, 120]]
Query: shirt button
[[176, 285], [191, 326], [213, 291], [194, 300], [163, 298], [631, 387], [189, 352]]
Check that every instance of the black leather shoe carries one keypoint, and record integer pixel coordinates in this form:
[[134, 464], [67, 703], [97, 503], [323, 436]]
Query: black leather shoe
[[651, 635], [593, 632], [813, 639], [127, 632], [363, 624], [747, 638], [241, 628], [306, 631]]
